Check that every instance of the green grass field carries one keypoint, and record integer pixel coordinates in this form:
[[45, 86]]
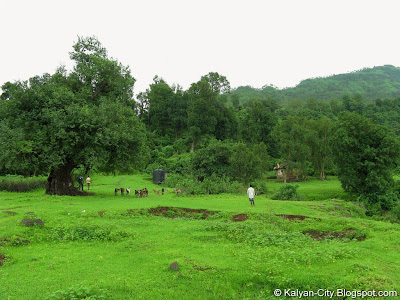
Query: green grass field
[[124, 252]]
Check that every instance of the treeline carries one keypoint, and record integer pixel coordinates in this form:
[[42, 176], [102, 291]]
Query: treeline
[[205, 132]]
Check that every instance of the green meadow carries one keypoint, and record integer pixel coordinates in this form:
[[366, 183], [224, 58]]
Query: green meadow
[[121, 247]]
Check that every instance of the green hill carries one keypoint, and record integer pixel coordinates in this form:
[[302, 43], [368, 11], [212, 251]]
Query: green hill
[[371, 83]]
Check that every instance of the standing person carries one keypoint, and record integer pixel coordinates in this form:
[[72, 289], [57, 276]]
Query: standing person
[[88, 181], [251, 193], [80, 182]]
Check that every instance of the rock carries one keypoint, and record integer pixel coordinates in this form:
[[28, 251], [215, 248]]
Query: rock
[[9, 212], [32, 222], [174, 266]]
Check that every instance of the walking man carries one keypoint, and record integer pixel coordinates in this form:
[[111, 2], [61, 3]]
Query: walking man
[[251, 193], [88, 181], [80, 182]]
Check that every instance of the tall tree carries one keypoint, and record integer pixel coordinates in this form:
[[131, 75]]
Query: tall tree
[[366, 155], [321, 151], [257, 121], [219, 84], [202, 111], [63, 121], [293, 139], [167, 108]]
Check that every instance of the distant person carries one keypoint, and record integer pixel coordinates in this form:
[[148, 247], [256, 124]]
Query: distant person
[[251, 193], [80, 182], [88, 182]]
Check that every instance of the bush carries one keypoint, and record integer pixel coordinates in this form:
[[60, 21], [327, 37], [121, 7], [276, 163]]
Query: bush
[[210, 185], [85, 232], [15, 183], [377, 204], [260, 187], [79, 292], [288, 192]]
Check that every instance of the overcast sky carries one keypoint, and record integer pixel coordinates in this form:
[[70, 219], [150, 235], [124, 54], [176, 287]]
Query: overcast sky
[[251, 42]]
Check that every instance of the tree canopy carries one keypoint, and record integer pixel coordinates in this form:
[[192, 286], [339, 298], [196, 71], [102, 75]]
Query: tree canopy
[[62, 121], [366, 155]]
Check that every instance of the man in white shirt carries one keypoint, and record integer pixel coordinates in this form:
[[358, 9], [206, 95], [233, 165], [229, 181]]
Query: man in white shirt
[[251, 193]]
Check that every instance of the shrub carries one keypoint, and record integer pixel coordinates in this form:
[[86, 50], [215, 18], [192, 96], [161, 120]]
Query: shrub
[[79, 292], [288, 192], [260, 187], [14, 183], [210, 185], [85, 233]]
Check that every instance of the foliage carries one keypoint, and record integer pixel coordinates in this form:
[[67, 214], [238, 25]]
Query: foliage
[[212, 160], [58, 122], [210, 185], [288, 192], [79, 292], [371, 83], [366, 155], [14, 183], [84, 232]]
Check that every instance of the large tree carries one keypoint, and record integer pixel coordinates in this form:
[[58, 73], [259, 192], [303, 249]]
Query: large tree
[[366, 155], [63, 121]]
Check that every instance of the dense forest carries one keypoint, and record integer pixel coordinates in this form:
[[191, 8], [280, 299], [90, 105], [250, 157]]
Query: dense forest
[[209, 137]]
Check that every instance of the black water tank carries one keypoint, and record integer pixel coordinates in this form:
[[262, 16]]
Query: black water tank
[[159, 175]]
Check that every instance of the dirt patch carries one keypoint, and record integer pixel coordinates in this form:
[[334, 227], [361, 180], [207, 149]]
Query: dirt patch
[[239, 218], [173, 212], [198, 268], [293, 217], [349, 234], [9, 212], [32, 222]]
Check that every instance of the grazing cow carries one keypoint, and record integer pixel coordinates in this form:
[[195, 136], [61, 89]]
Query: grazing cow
[[137, 193], [128, 191], [122, 191], [177, 191], [157, 192], [116, 191]]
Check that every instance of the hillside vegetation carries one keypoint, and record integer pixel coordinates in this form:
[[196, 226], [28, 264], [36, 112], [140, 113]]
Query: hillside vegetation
[[370, 83]]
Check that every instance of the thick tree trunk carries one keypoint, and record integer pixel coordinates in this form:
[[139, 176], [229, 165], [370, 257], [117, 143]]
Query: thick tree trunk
[[60, 182]]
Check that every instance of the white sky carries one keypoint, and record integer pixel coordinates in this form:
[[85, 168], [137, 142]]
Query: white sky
[[251, 42]]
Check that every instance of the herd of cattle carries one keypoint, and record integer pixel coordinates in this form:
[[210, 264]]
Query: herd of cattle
[[143, 192]]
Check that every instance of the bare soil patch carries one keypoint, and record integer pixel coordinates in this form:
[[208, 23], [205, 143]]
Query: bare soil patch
[[350, 234], [9, 212], [239, 218], [293, 217], [173, 212], [198, 268], [32, 222]]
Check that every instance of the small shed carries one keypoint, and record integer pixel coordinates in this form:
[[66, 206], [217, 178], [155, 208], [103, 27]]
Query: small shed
[[287, 174], [159, 175]]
